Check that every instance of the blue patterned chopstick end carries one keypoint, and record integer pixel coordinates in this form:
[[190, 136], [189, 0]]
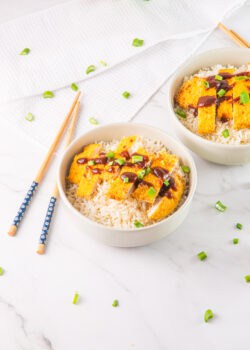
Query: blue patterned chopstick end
[[47, 221], [25, 204]]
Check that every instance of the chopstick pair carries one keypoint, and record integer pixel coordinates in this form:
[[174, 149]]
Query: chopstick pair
[[234, 36], [44, 166]]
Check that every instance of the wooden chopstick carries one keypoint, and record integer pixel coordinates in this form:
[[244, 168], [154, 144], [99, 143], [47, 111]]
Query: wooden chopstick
[[42, 170], [55, 194], [234, 36]]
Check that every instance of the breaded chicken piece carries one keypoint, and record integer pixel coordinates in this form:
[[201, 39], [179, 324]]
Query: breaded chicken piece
[[150, 187], [206, 114], [127, 144], [189, 93], [120, 188], [77, 170], [225, 108], [241, 112], [165, 206], [90, 180]]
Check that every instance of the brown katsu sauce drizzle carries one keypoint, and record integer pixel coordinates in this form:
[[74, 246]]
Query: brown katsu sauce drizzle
[[101, 160], [132, 177], [96, 171], [160, 172], [82, 160], [125, 154], [206, 101], [165, 190]]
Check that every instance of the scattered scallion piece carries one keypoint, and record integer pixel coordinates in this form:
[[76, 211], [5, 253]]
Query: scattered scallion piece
[[75, 299], [148, 171], [120, 161], [138, 42], [110, 154], [93, 121], [138, 224], [181, 113], [137, 159], [202, 256], [244, 97], [225, 133], [25, 52], [30, 117], [185, 169], [74, 87], [126, 94], [166, 182], [239, 226], [220, 206], [247, 278], [218, 77], [151, 192], [1, 271], [206, 84], [126, 179], [115, 303], [91, 162], [141, 173], [48, 94], [90, 69], [235, 240], [208, 315], [103, 63], [241, 77], [221, 92]]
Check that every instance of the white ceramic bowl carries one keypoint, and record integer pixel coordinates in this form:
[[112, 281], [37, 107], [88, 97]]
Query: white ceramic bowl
[[122, 237], [215, 152]]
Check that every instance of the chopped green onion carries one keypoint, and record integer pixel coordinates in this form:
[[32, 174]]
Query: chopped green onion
[[103, 63], [90, 69], [218, 77], [30, 117], [235, 240], [93, 121], [110, 154], [225, 133], [126, 179], [151, 192], [202, 256], [166, 182], [242, 77], [141, 174], [126, 94], [247, 278], [181, 113], [185, 169], [25, 52], [1, 271], [244, 97], [137, 42], [206, 84], [147, 171], [48, 94], [220, 206], [208, 315], [239, 226], [120, 161], [115, 303], [138, 224], [75, 299], [221, 92], [137, 159], [91, 162], [74, 87]]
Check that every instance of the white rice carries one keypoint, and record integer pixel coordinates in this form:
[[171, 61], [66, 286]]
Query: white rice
[[114, 213], [236, 137]]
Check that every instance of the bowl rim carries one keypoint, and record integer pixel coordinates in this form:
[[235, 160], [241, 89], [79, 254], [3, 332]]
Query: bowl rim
[[192, 188], [178, 75]]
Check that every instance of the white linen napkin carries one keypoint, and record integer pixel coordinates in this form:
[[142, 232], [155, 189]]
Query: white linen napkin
[[66, 39]]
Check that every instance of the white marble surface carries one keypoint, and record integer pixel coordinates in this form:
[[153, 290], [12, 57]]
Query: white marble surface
[[163, 289]]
